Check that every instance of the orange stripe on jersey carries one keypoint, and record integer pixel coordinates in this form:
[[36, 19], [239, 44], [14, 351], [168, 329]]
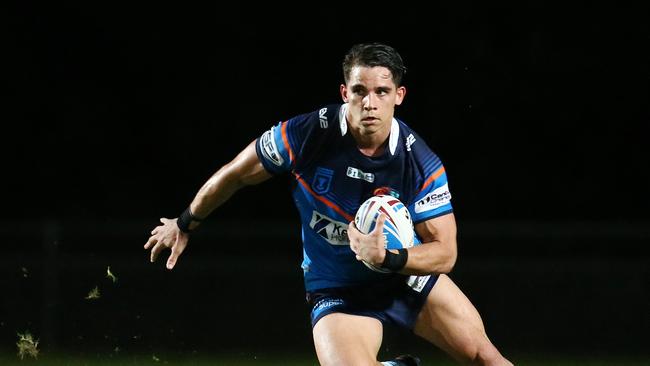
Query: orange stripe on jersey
[[433, 177], [286, 141], [324, 200]]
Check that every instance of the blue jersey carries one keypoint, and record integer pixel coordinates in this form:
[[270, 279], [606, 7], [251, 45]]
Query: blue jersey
[[333, 178]]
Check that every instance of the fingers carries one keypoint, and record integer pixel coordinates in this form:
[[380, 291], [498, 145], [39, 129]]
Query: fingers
[[156, 251], [152, 240], [353, 232], [166, 236]]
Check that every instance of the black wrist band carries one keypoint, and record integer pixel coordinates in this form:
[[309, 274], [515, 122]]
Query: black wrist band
[[395, 262], [185, 219]]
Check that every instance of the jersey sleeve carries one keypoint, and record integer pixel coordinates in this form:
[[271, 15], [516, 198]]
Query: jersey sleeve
[[277, 147], [433, 198]]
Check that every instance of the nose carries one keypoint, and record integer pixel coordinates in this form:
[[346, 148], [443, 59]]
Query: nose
[[369, 102]]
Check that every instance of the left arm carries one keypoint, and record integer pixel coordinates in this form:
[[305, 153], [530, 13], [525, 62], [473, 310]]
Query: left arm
[[436, 254], [438, 251]]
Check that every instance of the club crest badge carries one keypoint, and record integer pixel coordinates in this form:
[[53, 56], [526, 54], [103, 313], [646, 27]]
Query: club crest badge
[[322, 180]]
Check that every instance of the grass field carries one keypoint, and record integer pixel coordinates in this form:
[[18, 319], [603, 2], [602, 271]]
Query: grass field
[[307, 360]]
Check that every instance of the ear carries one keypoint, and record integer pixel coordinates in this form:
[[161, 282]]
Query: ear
[[344, 92], [400, 93]]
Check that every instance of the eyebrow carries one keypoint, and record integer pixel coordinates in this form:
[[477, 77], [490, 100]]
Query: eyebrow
[[358, 87]]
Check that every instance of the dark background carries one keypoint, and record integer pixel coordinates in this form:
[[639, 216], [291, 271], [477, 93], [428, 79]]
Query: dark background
[[114, 115]]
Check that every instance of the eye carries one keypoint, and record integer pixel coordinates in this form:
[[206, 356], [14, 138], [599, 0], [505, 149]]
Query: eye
[[359, 91], [381, 91]]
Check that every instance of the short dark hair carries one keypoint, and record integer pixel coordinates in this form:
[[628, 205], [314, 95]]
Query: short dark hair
[[371, 55]]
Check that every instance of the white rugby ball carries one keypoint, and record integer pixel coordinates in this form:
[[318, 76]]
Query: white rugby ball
[[398, 227]]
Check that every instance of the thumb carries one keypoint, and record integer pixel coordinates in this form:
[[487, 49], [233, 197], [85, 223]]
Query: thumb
[[379, 227], [173, 258], [177, 249], [171, 261]]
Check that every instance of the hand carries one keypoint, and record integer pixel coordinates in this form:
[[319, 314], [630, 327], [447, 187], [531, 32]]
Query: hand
[[167, 235], [369, 248]]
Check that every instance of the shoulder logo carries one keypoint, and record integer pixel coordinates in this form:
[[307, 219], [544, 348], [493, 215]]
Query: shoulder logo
[[358, 174], [270, 149], [439, 197], [323, 118], [410, 140], [334, 232]]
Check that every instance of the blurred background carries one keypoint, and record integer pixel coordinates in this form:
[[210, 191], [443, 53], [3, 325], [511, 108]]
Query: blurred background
[[114, 115]]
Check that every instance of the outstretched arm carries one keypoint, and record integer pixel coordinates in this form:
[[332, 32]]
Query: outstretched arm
[[245, 169]]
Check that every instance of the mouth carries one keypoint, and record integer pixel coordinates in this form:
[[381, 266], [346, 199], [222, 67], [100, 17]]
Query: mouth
[[369, 119]]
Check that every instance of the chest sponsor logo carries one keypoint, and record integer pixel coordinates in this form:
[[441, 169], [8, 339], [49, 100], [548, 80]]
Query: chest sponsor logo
[[270, 149], [410, 140], [335, 232], [439, 197], [322, 117], [322, 180], [358, 174]]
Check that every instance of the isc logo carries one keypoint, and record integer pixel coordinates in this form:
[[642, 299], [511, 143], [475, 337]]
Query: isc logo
[[358, 174]]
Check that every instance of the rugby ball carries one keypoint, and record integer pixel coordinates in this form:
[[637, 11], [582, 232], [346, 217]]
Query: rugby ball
[[398, 227]]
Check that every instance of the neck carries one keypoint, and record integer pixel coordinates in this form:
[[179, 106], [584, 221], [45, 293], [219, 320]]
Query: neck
[[372, 144], [373, 151]]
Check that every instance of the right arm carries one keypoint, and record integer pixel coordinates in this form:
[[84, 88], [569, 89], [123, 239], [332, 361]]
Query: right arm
[[245, 169]]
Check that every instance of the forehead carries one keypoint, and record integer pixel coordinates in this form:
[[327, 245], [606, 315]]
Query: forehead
[[376, 76]]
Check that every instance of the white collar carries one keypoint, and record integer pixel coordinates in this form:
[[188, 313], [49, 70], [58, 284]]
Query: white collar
[[394, 128]]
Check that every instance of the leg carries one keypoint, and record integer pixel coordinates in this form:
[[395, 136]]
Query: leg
[[347, 340], [450, 321]]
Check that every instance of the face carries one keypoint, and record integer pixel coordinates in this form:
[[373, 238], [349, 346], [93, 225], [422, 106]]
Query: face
[[372, 96]]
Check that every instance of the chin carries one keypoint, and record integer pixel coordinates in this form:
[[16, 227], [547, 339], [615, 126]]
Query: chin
[[369, 129]]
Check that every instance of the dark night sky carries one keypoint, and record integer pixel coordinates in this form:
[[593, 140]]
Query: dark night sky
[[123, 111], [114, 115]]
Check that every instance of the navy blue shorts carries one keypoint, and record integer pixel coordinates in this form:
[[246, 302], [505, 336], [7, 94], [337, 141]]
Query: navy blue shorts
[[396, 301]]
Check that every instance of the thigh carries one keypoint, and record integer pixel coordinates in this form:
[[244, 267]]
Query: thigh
[[450, 321], [344, 339]]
